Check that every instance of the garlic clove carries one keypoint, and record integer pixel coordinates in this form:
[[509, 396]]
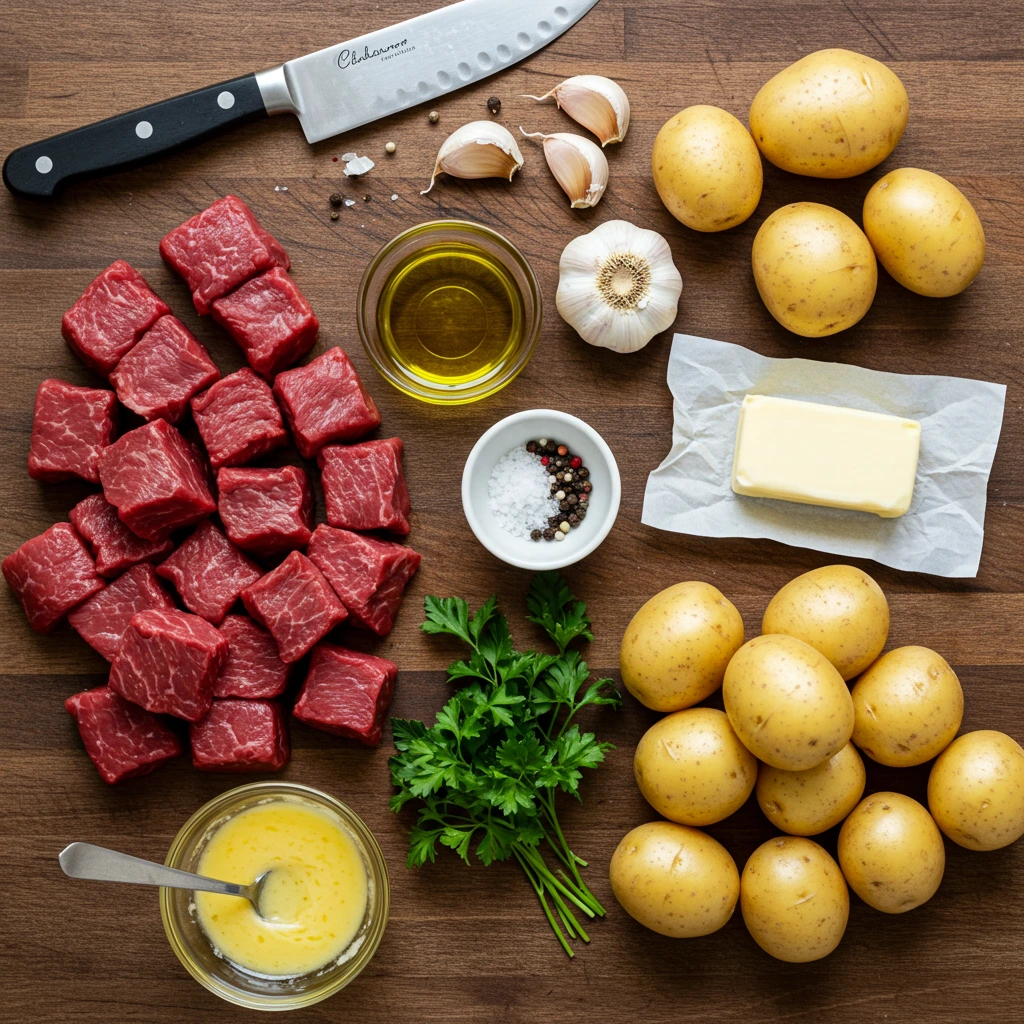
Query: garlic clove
[[618, 286], [596, 102], [577, 164], [480, 149]]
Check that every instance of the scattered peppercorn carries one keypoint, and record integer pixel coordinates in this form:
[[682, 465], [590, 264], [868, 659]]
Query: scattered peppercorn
[[549, 534], [536, 534], [335, 199], [334, 214], [366, 199], [433, 117], [389, 148], [494, 105]]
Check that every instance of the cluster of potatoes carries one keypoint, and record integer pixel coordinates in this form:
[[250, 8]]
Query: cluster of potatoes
[[833, 114], [794, 731]]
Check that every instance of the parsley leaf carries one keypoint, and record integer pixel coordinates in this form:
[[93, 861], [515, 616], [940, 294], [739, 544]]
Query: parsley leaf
[[551, 606]]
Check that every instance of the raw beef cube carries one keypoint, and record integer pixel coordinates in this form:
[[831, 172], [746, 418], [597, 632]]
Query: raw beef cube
[[220, 248], [296, 604], [325, 401], [209, 572], [270, 320], [110, 317], [156, 480], [254, 668], [102, 619], [122, 739], [113, 545], [347, 693], [238, 419], [167, 662], [266, 510], [162, 372], [364, 486], [70, 428], [369, 575], [241, 736], [52, 573]]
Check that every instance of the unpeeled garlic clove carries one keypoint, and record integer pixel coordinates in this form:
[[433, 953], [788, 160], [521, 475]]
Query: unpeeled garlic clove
[[578, 165], [480, 149], [596, 102]]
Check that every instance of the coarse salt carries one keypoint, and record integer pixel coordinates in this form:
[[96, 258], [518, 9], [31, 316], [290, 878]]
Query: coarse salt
[[519, 495]]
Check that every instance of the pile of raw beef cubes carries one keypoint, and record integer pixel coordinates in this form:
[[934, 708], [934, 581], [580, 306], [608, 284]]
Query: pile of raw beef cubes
[[156, 518]]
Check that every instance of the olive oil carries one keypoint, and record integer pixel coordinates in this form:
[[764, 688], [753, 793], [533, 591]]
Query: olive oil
[[450, 315]]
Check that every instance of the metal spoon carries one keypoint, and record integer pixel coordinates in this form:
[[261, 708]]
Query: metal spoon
[[83, 860]]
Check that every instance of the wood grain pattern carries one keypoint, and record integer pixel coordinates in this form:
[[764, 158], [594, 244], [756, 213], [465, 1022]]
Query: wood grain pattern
[[470, 944]]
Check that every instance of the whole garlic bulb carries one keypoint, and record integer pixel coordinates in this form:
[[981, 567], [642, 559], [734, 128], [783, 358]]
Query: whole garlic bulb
[[618, 286], [480, 149]]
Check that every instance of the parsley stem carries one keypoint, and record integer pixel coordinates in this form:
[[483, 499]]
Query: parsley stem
[[539, 889]]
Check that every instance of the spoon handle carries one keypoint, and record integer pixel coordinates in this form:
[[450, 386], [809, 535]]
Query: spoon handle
[[83, 860]]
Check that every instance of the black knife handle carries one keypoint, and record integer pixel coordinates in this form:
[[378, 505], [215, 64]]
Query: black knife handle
[[38, 170]]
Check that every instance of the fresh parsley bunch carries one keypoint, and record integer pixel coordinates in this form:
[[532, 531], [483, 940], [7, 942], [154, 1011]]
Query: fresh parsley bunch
[[488, 771]]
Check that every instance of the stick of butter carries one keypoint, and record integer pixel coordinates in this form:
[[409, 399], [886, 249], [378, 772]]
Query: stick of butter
[[825, 455]]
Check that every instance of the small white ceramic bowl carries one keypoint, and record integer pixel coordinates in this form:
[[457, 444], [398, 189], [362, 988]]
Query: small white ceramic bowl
[[516, 430]]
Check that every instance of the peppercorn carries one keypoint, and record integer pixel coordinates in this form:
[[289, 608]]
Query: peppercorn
[[549, 448], [531, 446], [335, 199], [389, 148], [494, 105], [560, 495], [554, 520], [588, 486], [544, 460], [574, 520], [433, 117], [559, 463], [549, 534], [562, 450], [571, 499], [564, 506], [577, 486], [583, 472], [334, 214], [535, 535], [366, 199], [564, 526], [584, 498], [576, 462]]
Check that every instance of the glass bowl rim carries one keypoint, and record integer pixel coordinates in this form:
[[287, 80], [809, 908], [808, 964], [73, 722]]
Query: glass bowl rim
[[221, 805], [366, 319]]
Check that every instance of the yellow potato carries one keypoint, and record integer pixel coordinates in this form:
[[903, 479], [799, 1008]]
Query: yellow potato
[[976, 790], [692, 768], [675, 650], [833, 114], [924, 232], [810, 802], [707, 169], [907, 707], [814, 268], [787, 703], [837, 609], [891, 853], [793, 899], [675, 880]]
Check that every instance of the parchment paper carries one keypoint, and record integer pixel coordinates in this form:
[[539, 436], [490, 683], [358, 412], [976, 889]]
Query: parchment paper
[[941, 533]]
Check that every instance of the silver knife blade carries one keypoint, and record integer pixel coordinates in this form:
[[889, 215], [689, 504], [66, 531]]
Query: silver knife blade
[[394, 68]]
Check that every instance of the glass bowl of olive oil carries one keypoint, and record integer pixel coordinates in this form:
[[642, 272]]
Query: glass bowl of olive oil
[[449, 311]]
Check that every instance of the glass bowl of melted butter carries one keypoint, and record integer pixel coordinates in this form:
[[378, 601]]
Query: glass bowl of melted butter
[[449, 312], [322, 911]]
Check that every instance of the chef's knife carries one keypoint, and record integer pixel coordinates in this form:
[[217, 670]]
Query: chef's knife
[[330, 91]]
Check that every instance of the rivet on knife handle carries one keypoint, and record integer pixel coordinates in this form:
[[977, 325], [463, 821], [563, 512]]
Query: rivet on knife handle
[[39, 169]]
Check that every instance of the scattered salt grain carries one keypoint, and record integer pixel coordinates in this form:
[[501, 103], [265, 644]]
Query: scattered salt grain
[[350, 202], [394, 197], [280, 188], [356, 165], [519, 495]]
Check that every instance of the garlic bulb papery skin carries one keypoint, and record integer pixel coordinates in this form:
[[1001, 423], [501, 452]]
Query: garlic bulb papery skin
[[618, 286], [578, 165], [596, 102], [480, 149]]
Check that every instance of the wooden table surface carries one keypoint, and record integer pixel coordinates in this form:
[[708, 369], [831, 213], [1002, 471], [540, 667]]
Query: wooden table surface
[[470, 944]]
